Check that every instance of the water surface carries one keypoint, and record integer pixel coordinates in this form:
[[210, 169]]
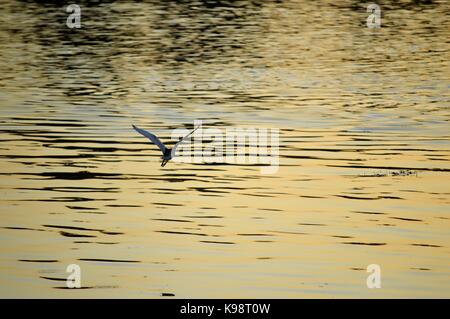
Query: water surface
[[364, 149]]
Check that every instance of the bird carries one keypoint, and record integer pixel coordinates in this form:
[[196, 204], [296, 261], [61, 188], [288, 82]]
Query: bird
[[168, 153]]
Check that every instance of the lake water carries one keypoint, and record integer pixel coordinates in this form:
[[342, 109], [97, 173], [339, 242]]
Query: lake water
[[363, 116]]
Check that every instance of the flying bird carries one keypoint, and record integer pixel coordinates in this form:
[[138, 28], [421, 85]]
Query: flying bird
[[168, 153]]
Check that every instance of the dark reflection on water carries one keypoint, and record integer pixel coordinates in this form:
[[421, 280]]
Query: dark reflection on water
[[350, 102]]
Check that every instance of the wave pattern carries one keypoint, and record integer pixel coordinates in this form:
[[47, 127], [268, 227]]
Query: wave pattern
[[364, 149]]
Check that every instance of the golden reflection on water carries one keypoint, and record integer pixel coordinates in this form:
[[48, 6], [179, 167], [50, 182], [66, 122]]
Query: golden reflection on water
[[358, 110]]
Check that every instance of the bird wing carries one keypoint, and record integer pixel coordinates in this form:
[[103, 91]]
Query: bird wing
[[182, 140], [151, 137]]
